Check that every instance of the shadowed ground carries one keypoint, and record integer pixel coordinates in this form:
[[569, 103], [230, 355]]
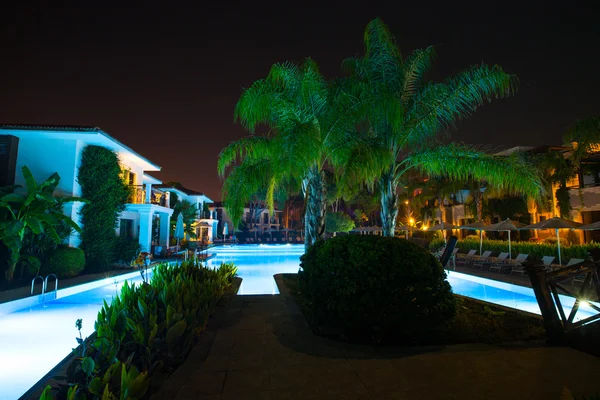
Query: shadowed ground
[[260, 347]]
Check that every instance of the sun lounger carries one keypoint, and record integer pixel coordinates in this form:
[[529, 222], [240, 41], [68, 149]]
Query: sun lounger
[[482, 259], [274, 240], [547, 260], [468, 258], [498, 262], [517, 264], [268, 240]]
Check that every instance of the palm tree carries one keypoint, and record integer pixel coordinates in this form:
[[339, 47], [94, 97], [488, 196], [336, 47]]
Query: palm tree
[[190, 216], [406, 117], [300, 109]]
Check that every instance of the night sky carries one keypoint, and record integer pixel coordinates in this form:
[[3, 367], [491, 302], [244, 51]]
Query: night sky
[[164, 78]]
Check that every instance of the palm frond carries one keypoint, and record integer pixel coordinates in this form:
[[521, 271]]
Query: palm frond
[[415, 67], [252, 147], [586, 134], [439, 105], [511, 174]]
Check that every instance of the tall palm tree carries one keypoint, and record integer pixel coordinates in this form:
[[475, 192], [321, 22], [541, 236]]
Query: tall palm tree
[[407, 116], [300, 109]]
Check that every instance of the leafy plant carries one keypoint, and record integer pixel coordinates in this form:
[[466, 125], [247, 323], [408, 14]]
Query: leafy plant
[[37, 211], [339, 222], [145, 332], [65, 262], [102, 184]]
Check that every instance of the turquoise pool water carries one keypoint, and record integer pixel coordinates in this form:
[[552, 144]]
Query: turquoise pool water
[[34, 339]]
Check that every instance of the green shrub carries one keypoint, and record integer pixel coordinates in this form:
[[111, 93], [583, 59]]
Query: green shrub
[[126, 249], [100, 177], [338, 222], [65, 262], [373, 288], [533, 249], [146, 332]]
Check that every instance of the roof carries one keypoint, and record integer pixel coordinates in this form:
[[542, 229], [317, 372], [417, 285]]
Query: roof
[[184, 190], [74, 129]]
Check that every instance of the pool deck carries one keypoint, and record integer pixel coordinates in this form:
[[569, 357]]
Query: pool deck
[[262, 348]]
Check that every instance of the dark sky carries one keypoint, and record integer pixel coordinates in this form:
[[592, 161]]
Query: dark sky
[[164, 77]]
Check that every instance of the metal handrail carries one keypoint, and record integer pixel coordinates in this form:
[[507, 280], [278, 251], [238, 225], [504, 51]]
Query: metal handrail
[[33, 284], [55, 283]]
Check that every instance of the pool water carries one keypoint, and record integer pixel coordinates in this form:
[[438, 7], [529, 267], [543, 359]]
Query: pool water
[[258, 263], [34, 339]]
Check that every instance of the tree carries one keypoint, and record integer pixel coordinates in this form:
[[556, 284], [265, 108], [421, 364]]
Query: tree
[[190, 216], [339, 222], [300, 109], [37, 211], [406, 118]]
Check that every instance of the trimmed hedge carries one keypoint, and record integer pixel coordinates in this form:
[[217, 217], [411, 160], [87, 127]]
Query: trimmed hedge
[[375, 289], [65, 262], [145, 333], [533, 249]]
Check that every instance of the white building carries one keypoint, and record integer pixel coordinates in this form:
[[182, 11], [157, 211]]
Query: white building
[[49, 149], [259, 218], [207, 223]]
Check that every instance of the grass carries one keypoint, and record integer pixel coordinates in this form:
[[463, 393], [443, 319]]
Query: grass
[[475, 322]]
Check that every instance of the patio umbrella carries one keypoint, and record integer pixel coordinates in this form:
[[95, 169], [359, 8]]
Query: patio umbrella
[[406, 228], [590, 227], [556, 224], [225, 230], [444, 226], [506, 226], [477, 226], [179, 232]]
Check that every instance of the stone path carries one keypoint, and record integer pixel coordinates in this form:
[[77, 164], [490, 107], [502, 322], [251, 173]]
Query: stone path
[[261, 348]]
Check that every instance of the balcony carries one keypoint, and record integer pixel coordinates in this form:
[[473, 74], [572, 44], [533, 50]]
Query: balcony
[[207, 215], [138, 195]]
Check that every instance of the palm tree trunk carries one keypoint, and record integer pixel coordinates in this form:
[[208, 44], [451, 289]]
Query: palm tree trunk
[[441, 207], [316, 206], [478, 197], [389, 203]]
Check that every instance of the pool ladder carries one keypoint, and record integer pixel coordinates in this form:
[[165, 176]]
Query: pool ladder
[[45, 284]]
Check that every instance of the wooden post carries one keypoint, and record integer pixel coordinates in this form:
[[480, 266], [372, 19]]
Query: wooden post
[[552, 324]]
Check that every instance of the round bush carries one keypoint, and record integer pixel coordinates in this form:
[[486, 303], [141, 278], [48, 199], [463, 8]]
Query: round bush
[[66, 262], [373, 288]]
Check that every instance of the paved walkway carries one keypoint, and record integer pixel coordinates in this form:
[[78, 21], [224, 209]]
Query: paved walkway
[[261, 348]]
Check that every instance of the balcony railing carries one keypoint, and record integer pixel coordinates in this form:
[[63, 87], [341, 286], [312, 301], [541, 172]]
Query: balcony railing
[[138, 196], [208, 215]]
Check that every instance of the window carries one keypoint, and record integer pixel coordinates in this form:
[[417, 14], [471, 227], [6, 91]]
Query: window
[[126, 228], [266, 218]]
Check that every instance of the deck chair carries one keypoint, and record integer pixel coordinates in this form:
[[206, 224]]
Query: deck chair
[[274, 240], [482, 259], [498, 262], [547, 260], [268, 240], [574, 261], [516, 265], [467, 258]]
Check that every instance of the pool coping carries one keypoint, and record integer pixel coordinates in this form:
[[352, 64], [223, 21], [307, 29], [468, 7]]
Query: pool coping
[[34, 300]]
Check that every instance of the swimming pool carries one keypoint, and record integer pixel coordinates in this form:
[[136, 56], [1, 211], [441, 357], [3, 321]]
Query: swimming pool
[[34, 339]]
